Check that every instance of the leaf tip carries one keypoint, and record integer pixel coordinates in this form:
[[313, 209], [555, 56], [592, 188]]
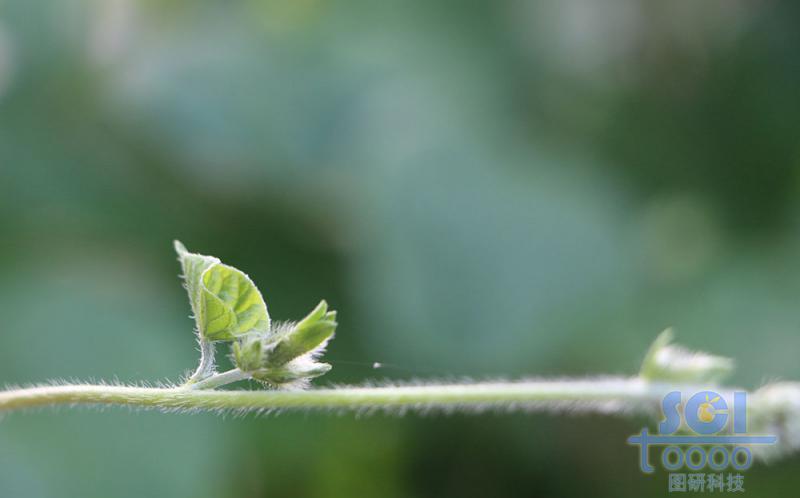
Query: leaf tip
[[670, 362], [179, 247]]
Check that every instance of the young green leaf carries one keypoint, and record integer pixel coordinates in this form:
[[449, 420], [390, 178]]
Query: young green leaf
[[308, 335], [232, 305], [193, 266], [225, 301]]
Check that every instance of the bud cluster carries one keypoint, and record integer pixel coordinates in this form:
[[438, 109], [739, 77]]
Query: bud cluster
[[228, 307], [286, 356]]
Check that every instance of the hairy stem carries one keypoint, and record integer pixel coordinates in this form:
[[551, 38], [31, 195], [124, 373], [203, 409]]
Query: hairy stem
[[206, 366], [220, 379], [618, 395]]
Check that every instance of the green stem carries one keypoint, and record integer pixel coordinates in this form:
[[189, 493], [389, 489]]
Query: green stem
[[625, 395], [206, 366], [220, 379]]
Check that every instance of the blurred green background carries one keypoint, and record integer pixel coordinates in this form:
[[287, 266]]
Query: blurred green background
[[482, 189]]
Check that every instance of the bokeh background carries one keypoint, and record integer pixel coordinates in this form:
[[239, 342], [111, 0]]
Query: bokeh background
[[483, 189]]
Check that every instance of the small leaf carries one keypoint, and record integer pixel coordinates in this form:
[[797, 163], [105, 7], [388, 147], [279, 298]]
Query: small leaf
[[193, 266], [225, 302], [307, 336], [667, 362], [231, 305]]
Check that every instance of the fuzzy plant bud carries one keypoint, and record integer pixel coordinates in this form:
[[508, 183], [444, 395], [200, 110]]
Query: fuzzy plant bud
[[308, 335], [295, 374], [667, 362], [286, 355], [248, 353]]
